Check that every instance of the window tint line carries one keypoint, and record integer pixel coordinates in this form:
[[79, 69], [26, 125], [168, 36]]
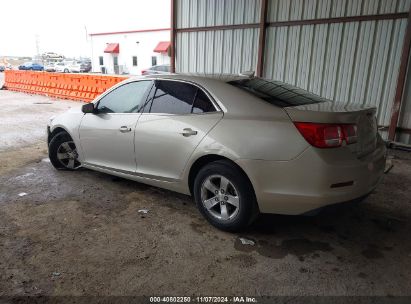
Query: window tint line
[[149, 99], [194, 100], [152, 98]]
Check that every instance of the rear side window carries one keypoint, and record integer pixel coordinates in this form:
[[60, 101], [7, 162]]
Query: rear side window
[[174, 97], [202, 104], [276, 92]]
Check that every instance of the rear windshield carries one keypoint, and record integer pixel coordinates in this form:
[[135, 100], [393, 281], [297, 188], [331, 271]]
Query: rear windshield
[[276, 92]]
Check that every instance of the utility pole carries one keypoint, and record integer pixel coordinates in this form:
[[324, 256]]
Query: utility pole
[[38, 48], [37, 44]]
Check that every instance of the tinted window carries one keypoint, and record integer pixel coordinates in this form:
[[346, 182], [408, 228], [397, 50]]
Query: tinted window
[[202, 104], [153, 60], [276, 92], [124, 99], [173, 97]]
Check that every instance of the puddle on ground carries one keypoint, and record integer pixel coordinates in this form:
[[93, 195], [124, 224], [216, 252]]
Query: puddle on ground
[[296, 247]]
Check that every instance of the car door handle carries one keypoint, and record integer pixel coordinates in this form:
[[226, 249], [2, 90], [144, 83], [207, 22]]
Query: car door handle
[[125, 129], [188, 132]]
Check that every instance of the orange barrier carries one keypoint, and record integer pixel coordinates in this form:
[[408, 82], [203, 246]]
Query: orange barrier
[[82, 87]]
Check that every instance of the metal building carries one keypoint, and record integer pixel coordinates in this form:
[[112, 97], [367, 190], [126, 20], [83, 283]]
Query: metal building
[[353, 51]]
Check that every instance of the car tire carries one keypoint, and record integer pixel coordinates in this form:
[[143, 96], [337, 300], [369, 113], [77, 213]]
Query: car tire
[[66, 70], [225, 196], [63, 152]]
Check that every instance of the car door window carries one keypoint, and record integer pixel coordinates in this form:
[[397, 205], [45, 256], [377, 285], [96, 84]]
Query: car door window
[[202, 103], [172, 97], [124, 99]]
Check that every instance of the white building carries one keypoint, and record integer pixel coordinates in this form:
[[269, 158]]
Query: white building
[[129, 52]]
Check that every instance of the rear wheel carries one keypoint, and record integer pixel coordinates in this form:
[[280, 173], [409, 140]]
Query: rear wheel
[[63, 152], [224, 196], [66, 70]]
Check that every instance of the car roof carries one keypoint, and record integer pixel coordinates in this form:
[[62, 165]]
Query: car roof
[[195, 77], [230, 99]]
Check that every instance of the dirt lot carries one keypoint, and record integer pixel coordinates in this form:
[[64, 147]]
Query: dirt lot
[[80, 233]]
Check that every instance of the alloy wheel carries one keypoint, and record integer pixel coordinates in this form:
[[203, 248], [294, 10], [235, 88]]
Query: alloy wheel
[[67, 155], [220, 198]]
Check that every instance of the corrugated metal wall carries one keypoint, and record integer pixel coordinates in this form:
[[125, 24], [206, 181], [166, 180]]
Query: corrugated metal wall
[[285, 10], [224, 51], [197, 13], [355, 62]]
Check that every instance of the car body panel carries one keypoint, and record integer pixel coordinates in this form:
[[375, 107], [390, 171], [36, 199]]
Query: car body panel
[[156, 133], [104, 144], [70, 122], [85, 66], [157, 69], [68, 66], [289, 176], [305, 183], [31, 66]]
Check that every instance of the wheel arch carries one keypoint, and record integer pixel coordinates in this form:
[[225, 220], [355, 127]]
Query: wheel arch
[[56, 131], [206, 159]]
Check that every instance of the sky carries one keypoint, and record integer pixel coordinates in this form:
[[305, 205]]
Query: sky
[[62, 26]]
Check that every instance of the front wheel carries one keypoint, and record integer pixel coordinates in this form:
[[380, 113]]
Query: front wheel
[[225, 196], [63, 152]]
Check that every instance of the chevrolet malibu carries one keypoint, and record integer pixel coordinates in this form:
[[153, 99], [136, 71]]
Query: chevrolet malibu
[[239, 145]]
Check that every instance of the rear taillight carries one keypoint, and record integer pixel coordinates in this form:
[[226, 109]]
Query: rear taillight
[[322, 135], [143, 72], [350, 133]]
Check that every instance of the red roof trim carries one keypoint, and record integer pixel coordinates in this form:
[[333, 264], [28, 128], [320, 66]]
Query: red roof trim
[[112, 48], [162, 47], [130, 32]]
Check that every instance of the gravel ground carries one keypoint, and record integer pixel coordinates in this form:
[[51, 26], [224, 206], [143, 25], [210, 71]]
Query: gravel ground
[[81, 233], [24, 117]]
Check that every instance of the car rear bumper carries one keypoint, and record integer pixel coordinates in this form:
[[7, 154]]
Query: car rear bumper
[[316, 178]]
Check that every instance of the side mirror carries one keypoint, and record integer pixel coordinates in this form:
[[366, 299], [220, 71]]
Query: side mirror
[[88, 108]]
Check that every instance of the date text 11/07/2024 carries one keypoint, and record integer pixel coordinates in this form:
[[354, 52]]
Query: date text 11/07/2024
[[203, 299]]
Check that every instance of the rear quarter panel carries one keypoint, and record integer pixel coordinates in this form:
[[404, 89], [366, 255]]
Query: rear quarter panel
[[265, 138]]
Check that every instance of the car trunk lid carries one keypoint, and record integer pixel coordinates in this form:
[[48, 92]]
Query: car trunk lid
[[338, 113]]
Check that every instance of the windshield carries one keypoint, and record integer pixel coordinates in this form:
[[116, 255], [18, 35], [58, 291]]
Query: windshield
[[276, 92]]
